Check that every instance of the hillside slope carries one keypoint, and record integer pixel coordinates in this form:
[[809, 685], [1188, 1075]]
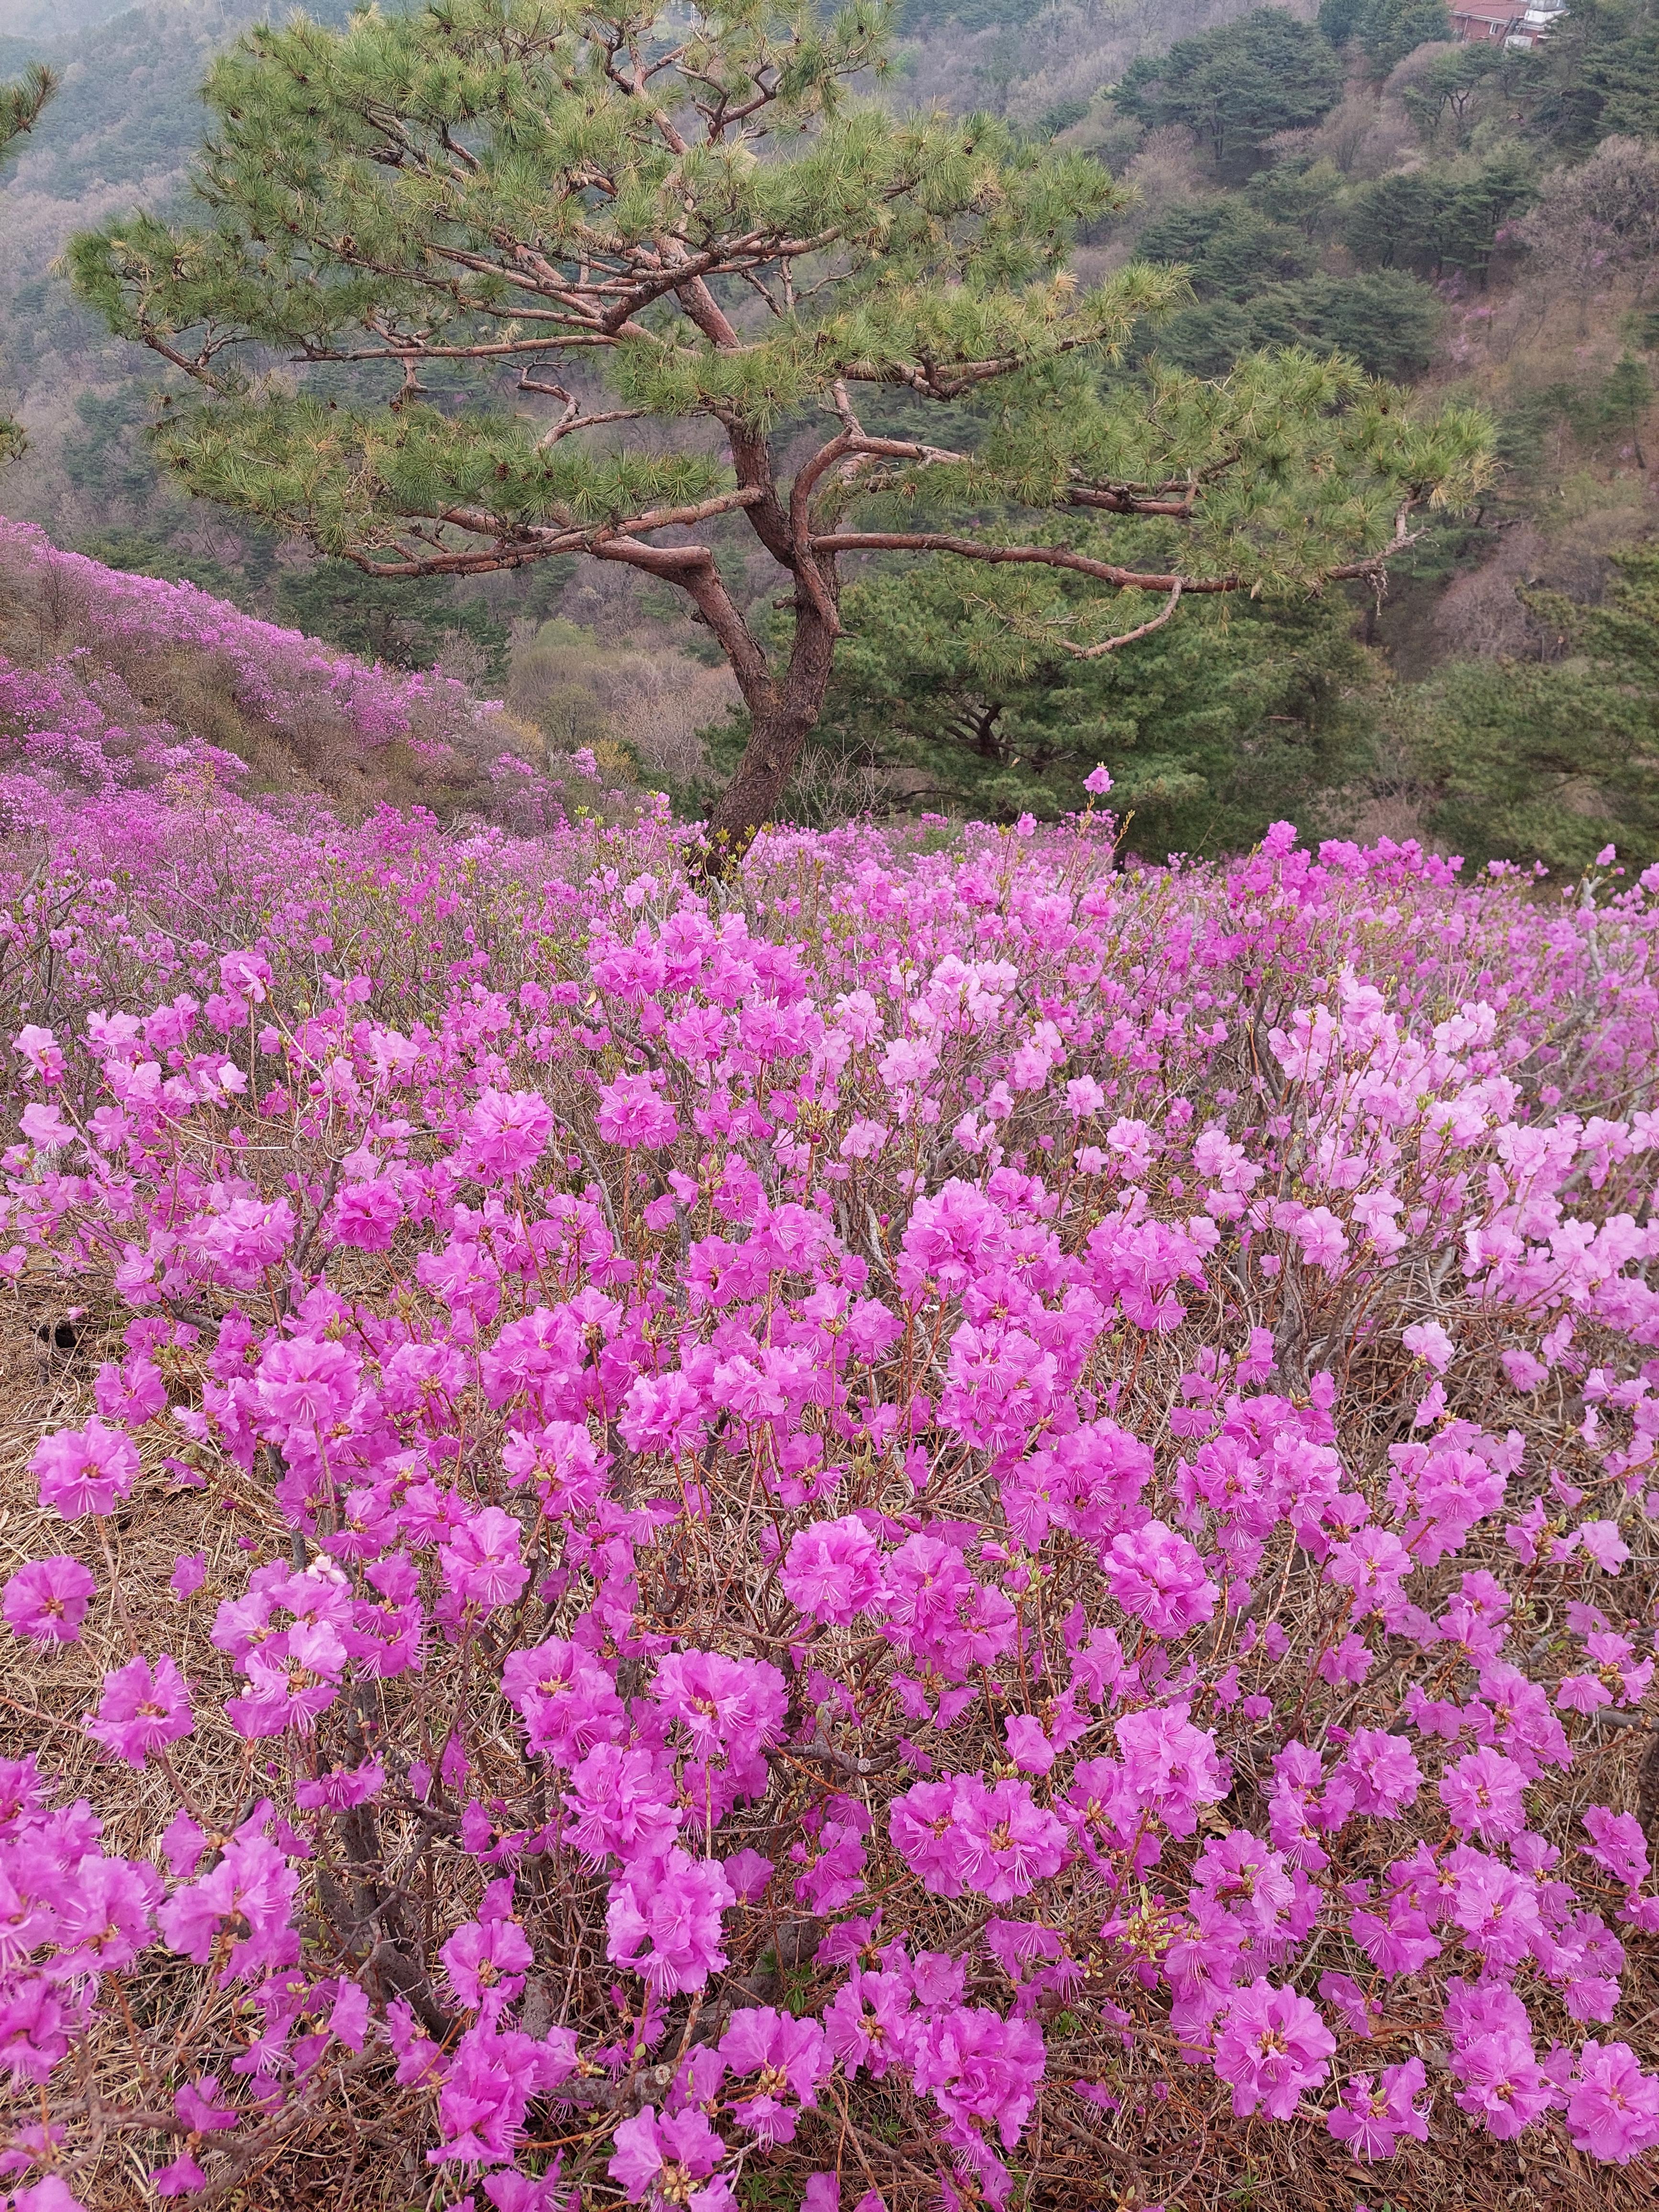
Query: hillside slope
[[114, 684]]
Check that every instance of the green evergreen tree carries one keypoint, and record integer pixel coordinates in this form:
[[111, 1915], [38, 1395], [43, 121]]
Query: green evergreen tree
[[1437, 220], [21, 102], [1553, 760], [1595, 75], [954, 691], [1257, 283], [1449, 89], [407, 625], [692, 205], [1236, 86], [1386, 31]]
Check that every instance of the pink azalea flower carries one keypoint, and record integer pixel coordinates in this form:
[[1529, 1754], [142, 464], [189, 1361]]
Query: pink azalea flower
[[633, 1112], [1613, 2107], [790, 2059], [659, 2159], [1273, 2048], [485, 1961], [508, 1132], [481, 1561], [47, 1599], [189, 1573], [143, 1709], [1374, 2114], [1617, 1842], [665, 1920], [976, 2065], [1007, 1844], [1158, 1577], [832, 1570], [85, 1470], [1485, 1794]]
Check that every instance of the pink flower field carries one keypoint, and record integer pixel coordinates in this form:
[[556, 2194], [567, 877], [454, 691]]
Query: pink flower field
[[948, 1525]]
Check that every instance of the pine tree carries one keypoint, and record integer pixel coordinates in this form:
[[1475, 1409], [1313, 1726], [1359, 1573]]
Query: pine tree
[[1236, 86], [743, 297], [1558, 759], [953, 691], [21, 105]]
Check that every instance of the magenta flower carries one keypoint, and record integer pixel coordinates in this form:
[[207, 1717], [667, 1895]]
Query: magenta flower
[[85, 1470], [1427, 1341], [832, 1570], [189, 1573], [1484, 1794], [833, 1859], [926, 1834], [104, 1916], [291, 1680], [622, 1802], [664, 1921], [250, 1896], [46, 1601], [508, 1132], [143, 1709], [1374, 2114], [1613, 2107], [1617, 1842], [306, 1383], [199, 2105], [49, 2194], [485, 1961], [749, 1874], [726, 1706], [869, 2023], [182, 2178], [487, 2090], [341, 1787], [1493, 2057], [1007, 1844], [46, 1127], [976, 2065], [1274, 2046], [1171, 1766], [632, 1112], [662, 1413], [1383, 1770], [1159, 1577], [661, 2159], [1240, 1872], [481, 1561], [790, 2057]]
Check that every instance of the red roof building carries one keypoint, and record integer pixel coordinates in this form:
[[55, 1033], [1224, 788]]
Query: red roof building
[[1514, 23], [1485, 19]]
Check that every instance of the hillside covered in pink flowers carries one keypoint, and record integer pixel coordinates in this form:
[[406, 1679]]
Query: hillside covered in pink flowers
[[952, 1525]]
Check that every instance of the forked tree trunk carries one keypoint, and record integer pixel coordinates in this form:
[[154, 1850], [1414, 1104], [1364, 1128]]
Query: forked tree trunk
[[782, 717]]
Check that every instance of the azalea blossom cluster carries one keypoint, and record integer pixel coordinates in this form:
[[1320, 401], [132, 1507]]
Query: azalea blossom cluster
[[75, 726], [957, 1469], [275, 668]]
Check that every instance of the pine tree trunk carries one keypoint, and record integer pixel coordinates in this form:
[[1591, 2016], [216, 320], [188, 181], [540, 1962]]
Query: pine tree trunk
[[781, 721]]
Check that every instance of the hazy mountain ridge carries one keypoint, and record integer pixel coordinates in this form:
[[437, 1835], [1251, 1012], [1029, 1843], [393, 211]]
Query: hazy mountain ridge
[[53, 19]]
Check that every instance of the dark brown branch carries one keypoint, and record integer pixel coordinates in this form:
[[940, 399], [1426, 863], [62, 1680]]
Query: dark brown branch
[[1051, 633], [1047, 556], [609, 541]]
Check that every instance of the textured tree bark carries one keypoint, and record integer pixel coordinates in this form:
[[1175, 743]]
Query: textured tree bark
[[782, 715]]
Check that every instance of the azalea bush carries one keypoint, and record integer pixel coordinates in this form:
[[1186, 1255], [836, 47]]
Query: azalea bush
[[946, 1525], [113, 684]]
